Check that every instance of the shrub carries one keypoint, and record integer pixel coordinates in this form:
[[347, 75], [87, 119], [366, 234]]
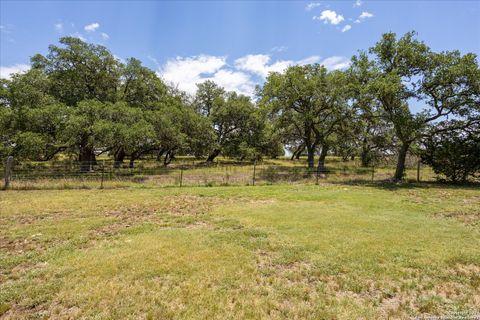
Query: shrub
[[454, 154]]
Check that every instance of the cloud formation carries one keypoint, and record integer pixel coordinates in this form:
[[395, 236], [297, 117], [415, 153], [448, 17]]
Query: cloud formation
[[242, 77], [279, 49], [7, 71], [255, 63], [336, 63], [365, 15], [187, 72], [312, 5], [346, 28], [357, 3], [329, 16], [58, 26], [92, 27]]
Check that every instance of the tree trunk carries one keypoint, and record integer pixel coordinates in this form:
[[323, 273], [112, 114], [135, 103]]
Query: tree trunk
[[86, 158], [213, 155], [168, 158], [321, 159], [296, 154], [365, 158], [310, 156], [365, 155], [131, 164], [160, 154], [402, 156], [119, 156]]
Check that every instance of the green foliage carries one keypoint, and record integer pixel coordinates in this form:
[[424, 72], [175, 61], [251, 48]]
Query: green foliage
[[80, 100], [140, 86], [236, 122], [236, 125], [454, 154], [369, 132], [80, 71], [399, 71], [208, 95], [307, 104]]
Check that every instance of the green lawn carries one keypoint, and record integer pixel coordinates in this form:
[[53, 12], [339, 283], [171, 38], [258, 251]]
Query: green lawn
[[266, 252]]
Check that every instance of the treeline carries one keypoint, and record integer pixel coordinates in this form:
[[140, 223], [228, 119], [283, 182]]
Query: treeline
[[80, 100]]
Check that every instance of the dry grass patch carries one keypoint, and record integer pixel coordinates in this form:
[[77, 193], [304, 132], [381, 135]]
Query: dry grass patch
[[280, 252]]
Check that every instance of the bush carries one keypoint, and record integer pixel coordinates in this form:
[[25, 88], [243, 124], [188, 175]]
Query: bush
[[456, 155]]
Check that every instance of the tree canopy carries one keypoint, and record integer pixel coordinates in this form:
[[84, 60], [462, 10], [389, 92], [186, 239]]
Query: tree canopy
[[397, 98]]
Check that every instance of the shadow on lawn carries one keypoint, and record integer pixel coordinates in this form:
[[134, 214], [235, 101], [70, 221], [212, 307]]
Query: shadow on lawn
[[393, 186]]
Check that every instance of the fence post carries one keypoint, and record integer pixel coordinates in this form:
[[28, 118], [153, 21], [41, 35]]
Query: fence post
[[181, 175], [317, 176], [226, 175], [103, 172], [373, 172], [418, 171], [8, 172], [254, 168]]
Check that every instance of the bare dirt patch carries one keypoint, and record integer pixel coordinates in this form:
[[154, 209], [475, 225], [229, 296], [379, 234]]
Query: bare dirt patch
[[19, 246], [465, 216], [184, 211]]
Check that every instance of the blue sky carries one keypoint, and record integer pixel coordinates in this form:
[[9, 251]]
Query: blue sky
[[233, 43]]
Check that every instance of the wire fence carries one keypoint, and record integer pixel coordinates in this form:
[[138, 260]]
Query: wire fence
[[107, 174]]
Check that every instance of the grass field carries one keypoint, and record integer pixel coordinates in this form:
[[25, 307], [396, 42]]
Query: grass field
[[333, 251]]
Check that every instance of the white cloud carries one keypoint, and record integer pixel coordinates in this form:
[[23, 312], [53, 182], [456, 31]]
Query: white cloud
[[279, 49], [358, 3], [329, 16], [239, 82], [105, 36], [278, 66], [308, 60], [346, 28], [187, 72], [259, 64], [241, 77], [7, 71], [365, 15], [312, 5], [255, 63], [92, 27], [335, 63], [59, 26]]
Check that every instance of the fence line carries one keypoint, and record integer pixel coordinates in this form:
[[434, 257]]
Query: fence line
[[101, 174]]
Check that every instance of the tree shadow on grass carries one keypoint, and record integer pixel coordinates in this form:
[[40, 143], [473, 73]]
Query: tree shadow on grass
[[393, 186]]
